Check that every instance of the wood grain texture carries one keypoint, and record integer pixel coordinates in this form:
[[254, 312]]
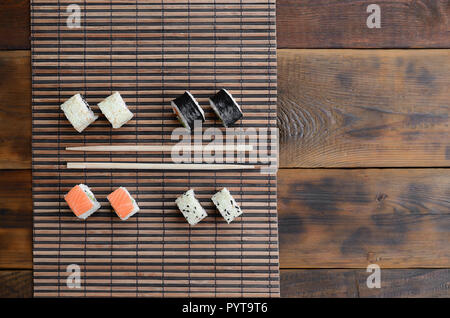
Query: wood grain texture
[[15, 247], [328, 218], [340, 283], [14, 24], [16, 219], [15, 195], [15, 110], [364, 108], [336, 218], [16, 284], [342, 24]]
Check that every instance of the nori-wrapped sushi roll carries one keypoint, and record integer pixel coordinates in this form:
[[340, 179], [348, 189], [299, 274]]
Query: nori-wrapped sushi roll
[[187, 110], [226, 107]]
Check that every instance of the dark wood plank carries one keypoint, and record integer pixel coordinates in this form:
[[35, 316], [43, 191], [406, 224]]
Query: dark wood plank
[[16, 284], [15, 195], [338, 218], [15, 247], [16, 219], [15, 110], [364, 108], [328, 218], [352, 283], [342, 24], [14, 24]]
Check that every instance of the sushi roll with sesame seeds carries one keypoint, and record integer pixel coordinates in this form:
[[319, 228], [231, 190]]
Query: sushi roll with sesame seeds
[[187, 110], [78, 112], [226, 107], [226, 205], [190, 207]]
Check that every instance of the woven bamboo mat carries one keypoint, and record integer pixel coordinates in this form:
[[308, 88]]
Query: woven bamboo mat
[[151, 51]]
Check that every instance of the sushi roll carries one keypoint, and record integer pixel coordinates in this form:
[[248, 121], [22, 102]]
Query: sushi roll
[[82, 201], [123, 203], [190, 207], [115, 110], [226, 107], [226, 205], [78, 112], [187, 110]]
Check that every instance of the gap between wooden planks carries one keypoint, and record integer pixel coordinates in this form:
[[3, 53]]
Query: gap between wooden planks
[[328, 218], [337, 108]]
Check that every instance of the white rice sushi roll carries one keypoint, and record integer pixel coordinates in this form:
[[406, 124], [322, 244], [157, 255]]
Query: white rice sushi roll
[[82, 201], [78, 112], [226, 107], [190, 207], [115, 110], [226, 205], [187, 110]]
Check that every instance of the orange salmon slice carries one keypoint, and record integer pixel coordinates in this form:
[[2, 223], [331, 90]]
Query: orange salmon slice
[[121, 202], [78, 201]]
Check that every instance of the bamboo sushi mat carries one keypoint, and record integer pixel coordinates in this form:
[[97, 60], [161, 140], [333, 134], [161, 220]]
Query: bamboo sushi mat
[[151, 51]]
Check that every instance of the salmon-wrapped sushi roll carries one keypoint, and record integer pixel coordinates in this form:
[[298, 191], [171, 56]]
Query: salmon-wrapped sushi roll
[[82, 201], [123, 203]]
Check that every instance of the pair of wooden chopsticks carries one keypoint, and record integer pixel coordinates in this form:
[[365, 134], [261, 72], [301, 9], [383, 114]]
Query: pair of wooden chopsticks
[[157, 166]]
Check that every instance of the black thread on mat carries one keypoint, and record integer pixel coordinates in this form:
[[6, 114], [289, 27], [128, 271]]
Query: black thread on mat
[[268, 147], [59, 164], [110, 141], [136, 125], [162, 139], [189, 173], [84, 139], [215, 172], [242, 218]]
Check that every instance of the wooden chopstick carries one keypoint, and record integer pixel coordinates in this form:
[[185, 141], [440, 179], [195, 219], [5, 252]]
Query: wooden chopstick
[[138, 148], [156, 166]]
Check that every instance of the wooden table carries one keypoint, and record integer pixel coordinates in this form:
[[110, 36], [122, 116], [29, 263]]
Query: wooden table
[[364, 148]]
